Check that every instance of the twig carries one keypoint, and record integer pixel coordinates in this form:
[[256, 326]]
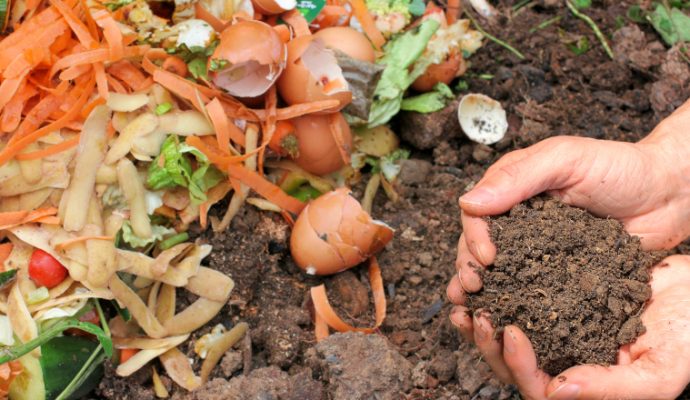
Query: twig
[[496, 40], [545, 24], [593, 25]]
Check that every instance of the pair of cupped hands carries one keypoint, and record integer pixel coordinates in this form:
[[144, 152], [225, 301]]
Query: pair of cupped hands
[[646, 186]]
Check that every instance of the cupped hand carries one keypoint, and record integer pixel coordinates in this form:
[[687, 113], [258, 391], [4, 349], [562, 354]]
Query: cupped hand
[[653, 367], [644, 185]]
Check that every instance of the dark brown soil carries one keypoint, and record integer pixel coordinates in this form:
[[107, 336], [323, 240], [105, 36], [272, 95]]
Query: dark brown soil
[[575, 283], [551, 92]]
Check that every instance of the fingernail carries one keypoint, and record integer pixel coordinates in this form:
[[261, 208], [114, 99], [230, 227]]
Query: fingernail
[[477, 252], [454, 313], [509, 343], [477, 197], [480, 330], [567, 391]]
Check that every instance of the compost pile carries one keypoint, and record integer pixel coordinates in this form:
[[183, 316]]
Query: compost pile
[[575, 283]]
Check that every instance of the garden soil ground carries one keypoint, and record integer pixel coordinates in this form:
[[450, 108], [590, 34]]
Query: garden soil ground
[[417, 354]]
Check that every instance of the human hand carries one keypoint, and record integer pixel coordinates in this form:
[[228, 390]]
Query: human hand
[[644, 185], [653, 367]]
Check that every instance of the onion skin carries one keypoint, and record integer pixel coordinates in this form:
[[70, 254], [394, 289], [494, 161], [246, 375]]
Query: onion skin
[[317, 151], [297, 85], [333, 233], [443, 72], [349, 41]]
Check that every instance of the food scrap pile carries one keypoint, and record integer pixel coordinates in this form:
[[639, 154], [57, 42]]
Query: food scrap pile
[[123, 122]]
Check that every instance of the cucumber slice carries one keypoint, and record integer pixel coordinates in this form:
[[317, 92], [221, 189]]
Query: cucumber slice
[[29, 384], [61, 360]]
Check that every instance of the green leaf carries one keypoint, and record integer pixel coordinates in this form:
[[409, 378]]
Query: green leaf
[[172, 168], [305, 193], [117, 4], [429, 102], [581, 4], [197, 67], [163, 108], [158, 232], [636, 14], [14, 352], [7, 277], [417, 7], [62, 360], [217, 64], [580, 46], [399, 54], [673, 25]]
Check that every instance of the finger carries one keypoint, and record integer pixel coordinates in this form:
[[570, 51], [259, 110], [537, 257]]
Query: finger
[[455, 292], [550, 165], [521, 360], [460, 317], [468, 267], [624, 355], [640, 380], [476, 231], [485, 337]]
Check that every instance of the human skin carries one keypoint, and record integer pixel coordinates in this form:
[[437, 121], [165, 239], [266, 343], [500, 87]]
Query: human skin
[[645, 185]]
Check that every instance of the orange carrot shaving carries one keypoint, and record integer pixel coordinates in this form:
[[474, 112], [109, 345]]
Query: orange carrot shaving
[[52, 220], [126, 72], [324, 310], [69, 242], [113, 83], [296, 110], [225, 129], [49, 151], [11, 219], [215, 155], [203, 215], [5, 250], [297, 22], [93, 104], [359, 9], [12, 113], [126, 354], [9, 87], [8, 372], [337, 133], [45, 37], [72, 73], [175, 65], [111, 32], [181, 87], [80, 30], [265, 188], [320, 327], [269, 125], [203, 14]]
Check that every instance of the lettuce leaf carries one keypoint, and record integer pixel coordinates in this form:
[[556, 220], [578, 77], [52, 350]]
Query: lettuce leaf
[[173, 167], [429, 102], [157, 234], [400, 54]]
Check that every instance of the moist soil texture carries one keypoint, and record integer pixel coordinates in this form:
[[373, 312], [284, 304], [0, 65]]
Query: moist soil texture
[[552, 91], [574, 283]]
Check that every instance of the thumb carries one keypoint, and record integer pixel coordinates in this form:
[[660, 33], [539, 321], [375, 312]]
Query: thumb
[[523, 174], [638, 380]]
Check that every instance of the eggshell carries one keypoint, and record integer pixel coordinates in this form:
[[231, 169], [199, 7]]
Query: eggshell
[[311, 69], [333, 233], [273, 7], [482, 118], [318, 151], [349, 41], [443, 72], [255, 58]]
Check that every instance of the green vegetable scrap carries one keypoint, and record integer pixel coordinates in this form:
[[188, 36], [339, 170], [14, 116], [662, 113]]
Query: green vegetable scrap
[[7, 277], [671, 23], [173, 167], [158, 232], [163, 108], [388, 7], [429, 102], [116, 4], [196, 58], [400, 54]]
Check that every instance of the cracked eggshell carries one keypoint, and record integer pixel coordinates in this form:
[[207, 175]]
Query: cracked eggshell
[[349, 41], [482, 118], [318, 152], [312, 74], [255, 58], [273, 7], [333, 233]]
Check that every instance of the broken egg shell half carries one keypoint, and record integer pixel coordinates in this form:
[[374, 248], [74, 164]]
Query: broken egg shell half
[[443, 72], [349, 41], [273, 7], [254, 56], [333, 233], [312, 74], [482, 118], [318, 151]]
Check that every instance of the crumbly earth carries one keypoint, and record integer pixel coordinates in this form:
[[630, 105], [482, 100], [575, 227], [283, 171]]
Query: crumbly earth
[[551, 92], [574, 283]]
